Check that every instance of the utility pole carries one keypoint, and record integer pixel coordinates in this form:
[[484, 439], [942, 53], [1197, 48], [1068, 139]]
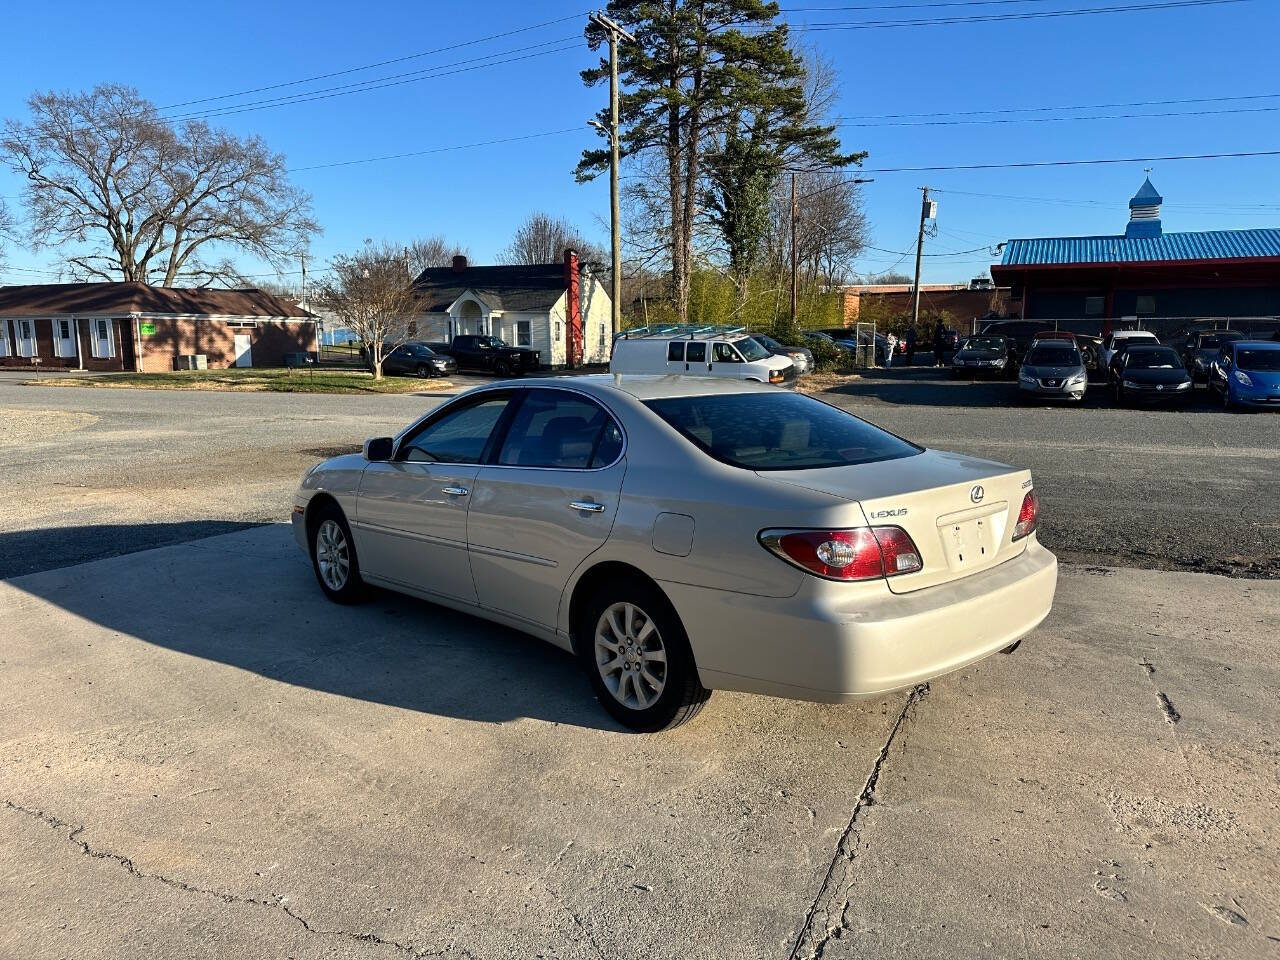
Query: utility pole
[[926, 211], [615, 211], [795, 259]]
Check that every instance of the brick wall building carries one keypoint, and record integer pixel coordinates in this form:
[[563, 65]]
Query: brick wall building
[[135, 327], [963, 302]]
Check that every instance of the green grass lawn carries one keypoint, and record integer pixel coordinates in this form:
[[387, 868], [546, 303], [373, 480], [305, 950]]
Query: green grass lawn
[[255, 379]]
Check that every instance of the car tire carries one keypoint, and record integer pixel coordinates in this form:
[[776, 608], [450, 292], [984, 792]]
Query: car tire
[[656, 687], [422, 371], [333, 556], [500, 369]]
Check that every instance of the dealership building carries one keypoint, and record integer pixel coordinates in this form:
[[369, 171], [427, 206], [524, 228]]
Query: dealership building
[[1146, 276]]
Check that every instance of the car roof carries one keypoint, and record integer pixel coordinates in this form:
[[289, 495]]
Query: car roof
[[648, 387], [1133, 333], [1253, 344]]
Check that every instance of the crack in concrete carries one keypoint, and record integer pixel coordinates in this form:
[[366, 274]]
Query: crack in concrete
[[845, 853], [276, 903], [1171, 715]]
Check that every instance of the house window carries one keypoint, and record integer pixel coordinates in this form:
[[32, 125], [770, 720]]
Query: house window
[[1093, 306], [4, 337], [524, 335], [602, 339], [26, 338], [103, 339], [556, 338], [1146, 306]]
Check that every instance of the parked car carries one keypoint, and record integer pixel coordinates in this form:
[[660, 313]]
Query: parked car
[[983, 354], [1053, 369], [804, 553], [489, 354], [1247, 373], [1114, 342], [1018, 332], [735, 356], [1149, 373], [1202, 348], [853, 340], [419, 360], [801, 357]]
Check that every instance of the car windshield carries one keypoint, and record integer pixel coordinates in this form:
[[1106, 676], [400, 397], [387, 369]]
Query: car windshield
[[984, 343], [1260, 360], [494, 342], [767, 342], [750, 350], [1153, 359], [778, 431], [1053, 357], [1214, 341]]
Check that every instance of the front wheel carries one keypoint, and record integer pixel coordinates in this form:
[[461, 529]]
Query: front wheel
[[500, 369], [333, 557], [422, 371], [637, 658]]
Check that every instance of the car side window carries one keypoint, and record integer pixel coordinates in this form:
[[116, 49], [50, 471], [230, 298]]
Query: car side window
[[695, 351], [460, 436], [560, 430], [675, 350], [723, 353]]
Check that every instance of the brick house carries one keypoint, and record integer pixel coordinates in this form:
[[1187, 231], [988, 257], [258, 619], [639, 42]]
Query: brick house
[[136, 327], [965, 302]]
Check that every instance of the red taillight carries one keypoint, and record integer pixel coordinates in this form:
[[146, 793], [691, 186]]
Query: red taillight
[[1027, 516], [863, 553]]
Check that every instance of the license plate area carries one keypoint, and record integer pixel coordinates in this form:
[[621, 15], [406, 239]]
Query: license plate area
[[972, 538]]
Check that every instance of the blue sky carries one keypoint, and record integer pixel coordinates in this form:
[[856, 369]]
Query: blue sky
[[477, 196]]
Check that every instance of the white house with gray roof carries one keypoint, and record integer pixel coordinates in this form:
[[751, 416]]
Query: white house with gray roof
[[559, 309]]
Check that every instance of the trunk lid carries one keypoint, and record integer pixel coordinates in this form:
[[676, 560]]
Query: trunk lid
[[959, 510]]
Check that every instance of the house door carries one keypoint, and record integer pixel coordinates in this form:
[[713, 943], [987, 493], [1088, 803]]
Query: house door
[[64, 338], [26, 338], [243, 352]]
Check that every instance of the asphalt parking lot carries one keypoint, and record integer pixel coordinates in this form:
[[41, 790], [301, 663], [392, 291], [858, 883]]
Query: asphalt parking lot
[[202, 758]]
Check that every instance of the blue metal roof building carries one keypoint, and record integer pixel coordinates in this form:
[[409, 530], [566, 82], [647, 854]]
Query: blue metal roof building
[[1144, 272]]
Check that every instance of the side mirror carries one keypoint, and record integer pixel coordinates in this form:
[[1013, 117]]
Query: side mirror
[[378, 449]]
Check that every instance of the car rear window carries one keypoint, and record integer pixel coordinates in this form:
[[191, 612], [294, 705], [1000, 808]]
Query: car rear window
[[1215, 340], [778, 431]]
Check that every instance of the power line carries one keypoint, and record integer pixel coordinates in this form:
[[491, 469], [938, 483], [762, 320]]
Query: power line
[[1112, 116], [379, 63], [824, 26], [422, 153], [381, 83], [1056, 109]]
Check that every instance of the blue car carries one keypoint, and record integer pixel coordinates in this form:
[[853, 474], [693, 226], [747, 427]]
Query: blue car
[[1247, 374]]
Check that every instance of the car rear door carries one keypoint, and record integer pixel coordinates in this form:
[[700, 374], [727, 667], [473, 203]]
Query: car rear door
[[411, 512], [546, 501]]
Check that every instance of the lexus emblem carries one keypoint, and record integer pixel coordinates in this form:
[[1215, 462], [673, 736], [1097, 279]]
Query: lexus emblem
[[977, 493]]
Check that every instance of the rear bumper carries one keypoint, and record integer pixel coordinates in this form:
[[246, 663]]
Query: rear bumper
[[830, 643]]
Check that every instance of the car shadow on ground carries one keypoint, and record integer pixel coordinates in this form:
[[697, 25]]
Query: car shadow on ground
[[269, 617], [924, 386]]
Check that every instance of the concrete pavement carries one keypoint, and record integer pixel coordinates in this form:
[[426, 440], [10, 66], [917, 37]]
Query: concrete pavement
[[204, 758]]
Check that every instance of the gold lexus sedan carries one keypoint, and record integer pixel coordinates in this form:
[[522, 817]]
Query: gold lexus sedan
[[687, 535]]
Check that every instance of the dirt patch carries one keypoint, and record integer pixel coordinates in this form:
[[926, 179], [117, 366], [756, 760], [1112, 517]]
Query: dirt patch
[[817, 382], [1160, 819], [18, 427]]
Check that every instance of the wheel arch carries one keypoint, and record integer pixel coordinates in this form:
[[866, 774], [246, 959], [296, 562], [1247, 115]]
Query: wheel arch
[[592, 579], [315, 506]]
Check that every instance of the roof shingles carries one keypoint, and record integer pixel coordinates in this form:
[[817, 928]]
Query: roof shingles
[[510, 287], [124, 298]]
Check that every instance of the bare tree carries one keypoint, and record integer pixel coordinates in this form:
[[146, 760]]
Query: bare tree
[[149, 198], [831, 226], [543, 238], [372, 293], [435, 251], [7, 228]]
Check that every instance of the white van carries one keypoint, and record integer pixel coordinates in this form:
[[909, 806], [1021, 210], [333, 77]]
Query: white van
[[734, 356]]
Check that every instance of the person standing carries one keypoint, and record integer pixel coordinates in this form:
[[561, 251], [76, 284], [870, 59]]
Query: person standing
[[891, 345], [937, 344], [911, 344]]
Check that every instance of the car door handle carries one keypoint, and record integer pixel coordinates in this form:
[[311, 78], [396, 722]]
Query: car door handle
[[456, 491], [587, 506]]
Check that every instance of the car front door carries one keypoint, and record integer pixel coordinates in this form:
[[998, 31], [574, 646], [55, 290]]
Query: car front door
[[411, 512], [725, 361], [546, 501]]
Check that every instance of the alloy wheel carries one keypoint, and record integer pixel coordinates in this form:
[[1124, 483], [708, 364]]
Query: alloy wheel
[[333, 555], [630, 656]]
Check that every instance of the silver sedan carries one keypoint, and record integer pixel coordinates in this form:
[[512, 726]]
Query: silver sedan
[[681, 536]]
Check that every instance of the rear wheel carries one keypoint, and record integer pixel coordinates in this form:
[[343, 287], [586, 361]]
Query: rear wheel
[[637, 658], [333, 556]]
